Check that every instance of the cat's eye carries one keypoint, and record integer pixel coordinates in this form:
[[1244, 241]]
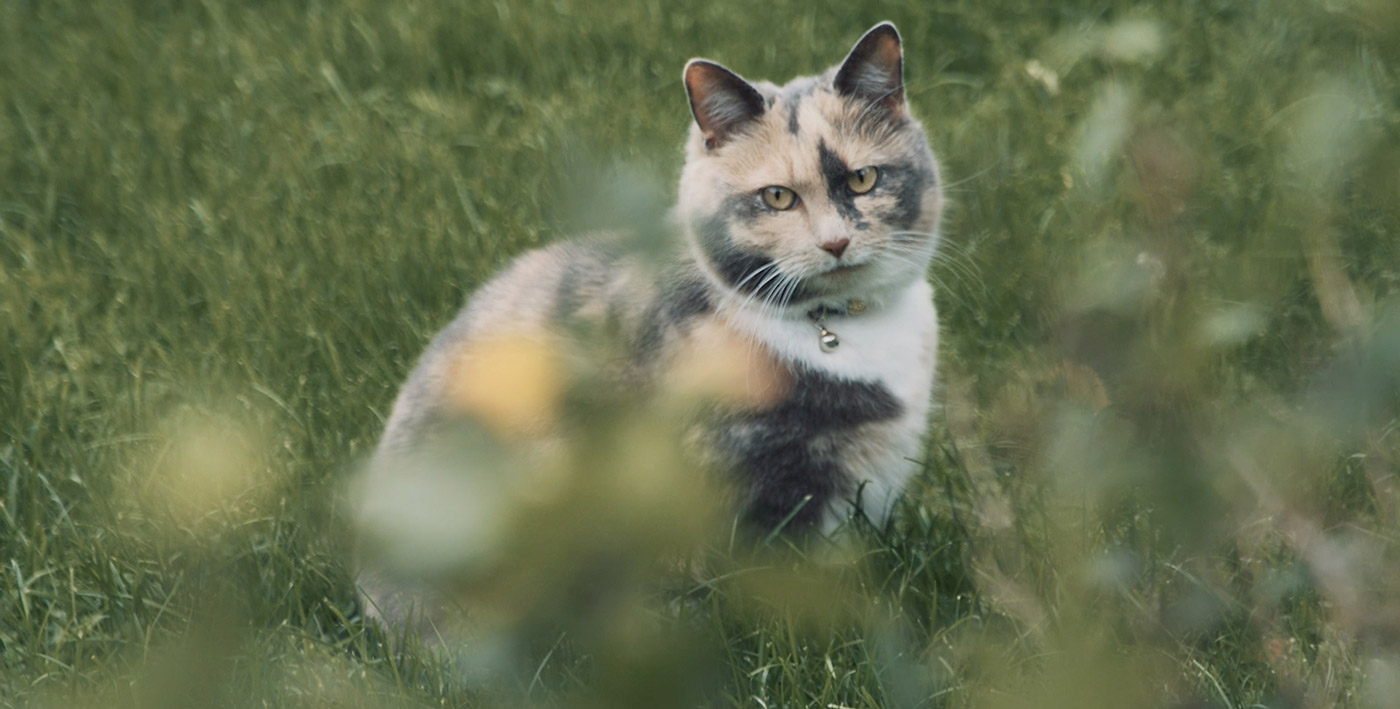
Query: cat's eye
[[779, 198], [862, 180]]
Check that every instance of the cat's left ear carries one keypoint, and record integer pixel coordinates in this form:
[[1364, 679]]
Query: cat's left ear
[[874, 70], [721, 101]]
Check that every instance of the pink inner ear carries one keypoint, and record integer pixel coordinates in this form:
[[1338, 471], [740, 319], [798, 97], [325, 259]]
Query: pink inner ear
[[707, 101], [887, 53], [882, 70]]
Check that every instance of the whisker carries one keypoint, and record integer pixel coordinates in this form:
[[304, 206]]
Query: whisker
[[790, 291], [765, 296], [950, 185], [767, 309], [959, 258], [777, 273], [747, 299], [963, 268], [922, 264], [755, 272], [943, 249]]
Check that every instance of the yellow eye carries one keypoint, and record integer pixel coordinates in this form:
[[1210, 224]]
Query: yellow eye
[[779, 198], [862, 180]]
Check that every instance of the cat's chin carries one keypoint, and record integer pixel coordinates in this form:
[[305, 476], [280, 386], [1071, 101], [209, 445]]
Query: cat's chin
[[846, 271], [856, 279]]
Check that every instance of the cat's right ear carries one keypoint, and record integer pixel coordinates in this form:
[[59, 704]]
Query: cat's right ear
[[874, 70], [720, 100]]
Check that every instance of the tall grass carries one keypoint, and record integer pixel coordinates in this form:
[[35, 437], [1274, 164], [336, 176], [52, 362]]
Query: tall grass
[[1163, 468]]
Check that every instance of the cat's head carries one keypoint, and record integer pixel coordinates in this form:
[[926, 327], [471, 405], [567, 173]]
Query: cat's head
[[817, 191]]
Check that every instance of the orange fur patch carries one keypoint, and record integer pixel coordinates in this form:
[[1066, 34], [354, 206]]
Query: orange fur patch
[[511, 384]]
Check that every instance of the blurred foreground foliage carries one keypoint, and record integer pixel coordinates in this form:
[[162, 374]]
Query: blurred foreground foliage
[[1164, 469]]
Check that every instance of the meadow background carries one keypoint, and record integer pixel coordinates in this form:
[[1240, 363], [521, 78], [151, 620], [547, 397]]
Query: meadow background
[[1164, 468]]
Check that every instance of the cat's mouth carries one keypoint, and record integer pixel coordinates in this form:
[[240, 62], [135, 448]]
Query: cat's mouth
[[845, 269]]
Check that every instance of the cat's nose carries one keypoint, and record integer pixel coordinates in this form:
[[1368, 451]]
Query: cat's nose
[[836, 247]]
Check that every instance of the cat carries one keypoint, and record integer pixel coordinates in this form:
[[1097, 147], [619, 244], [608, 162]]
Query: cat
[[807, 216]]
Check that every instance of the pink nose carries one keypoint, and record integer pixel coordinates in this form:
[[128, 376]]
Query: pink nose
[[836, 247]]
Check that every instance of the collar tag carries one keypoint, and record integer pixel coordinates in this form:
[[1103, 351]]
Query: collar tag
[[827, 339]]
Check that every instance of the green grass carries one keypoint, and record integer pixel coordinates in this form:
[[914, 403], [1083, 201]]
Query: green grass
[[1163, 472]]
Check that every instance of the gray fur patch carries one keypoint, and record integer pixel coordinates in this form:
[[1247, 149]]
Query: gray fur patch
[[792, 95], [751, 274], [579, 277], [792, 450], [739, 269], [907, 183], [835, 172], [682, 300]]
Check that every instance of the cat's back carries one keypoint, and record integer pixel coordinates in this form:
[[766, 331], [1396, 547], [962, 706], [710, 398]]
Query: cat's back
[[545, 296]]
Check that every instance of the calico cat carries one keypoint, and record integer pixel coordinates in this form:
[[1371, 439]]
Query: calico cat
[[807, 217]]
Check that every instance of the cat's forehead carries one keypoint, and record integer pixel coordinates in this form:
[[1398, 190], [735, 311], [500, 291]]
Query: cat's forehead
[[792, 94], [803, 119], [810, 107], [801, 87]]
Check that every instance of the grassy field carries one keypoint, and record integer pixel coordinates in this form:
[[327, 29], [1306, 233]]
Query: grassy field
[[1164, 468]]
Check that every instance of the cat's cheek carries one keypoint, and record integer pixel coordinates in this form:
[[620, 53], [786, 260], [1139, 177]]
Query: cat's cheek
[[906, 197]]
